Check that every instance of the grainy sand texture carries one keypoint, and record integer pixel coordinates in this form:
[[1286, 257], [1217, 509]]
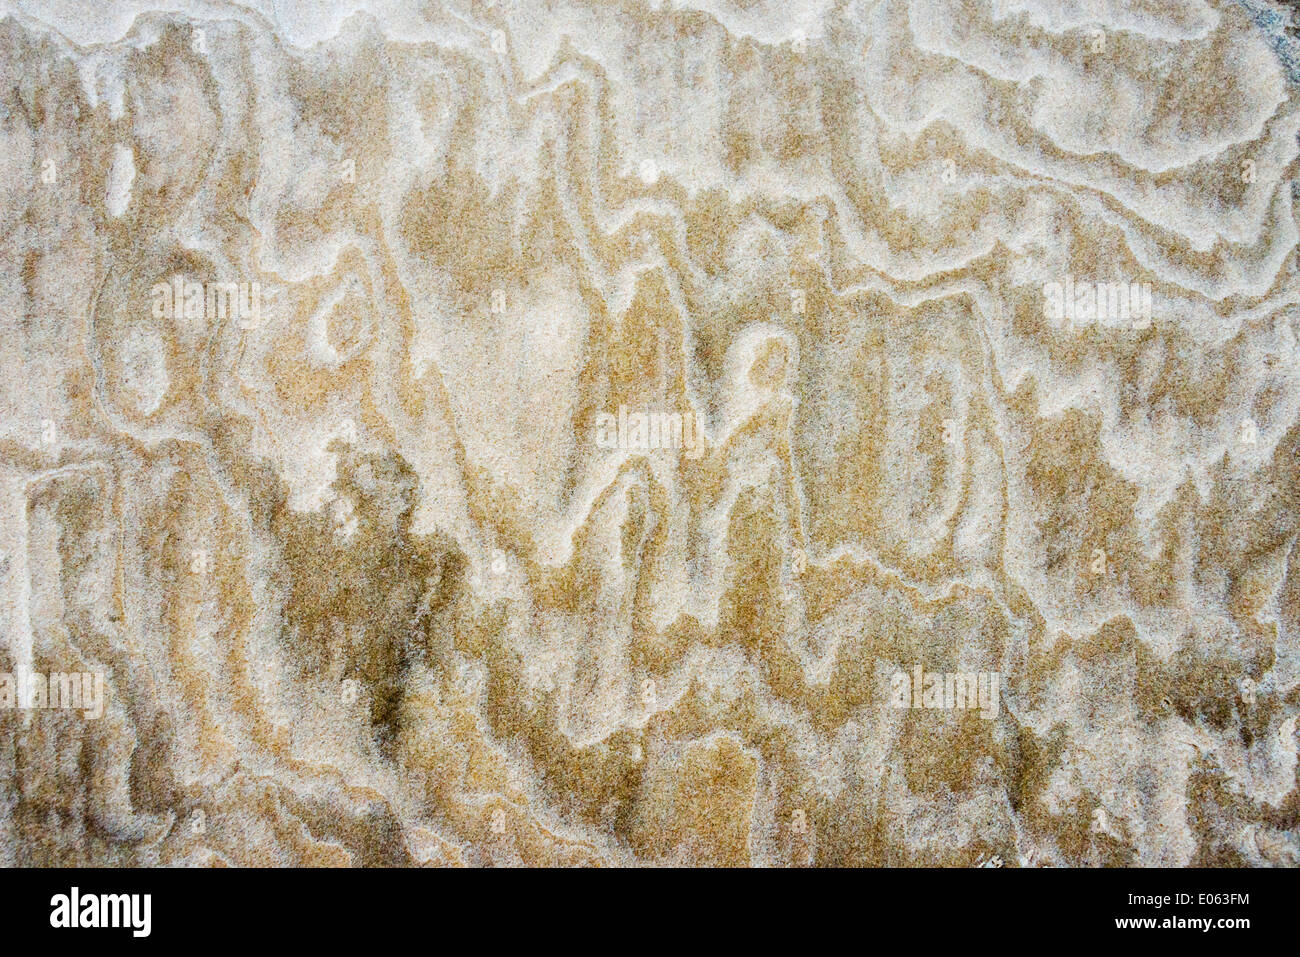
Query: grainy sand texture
[[649, 432]]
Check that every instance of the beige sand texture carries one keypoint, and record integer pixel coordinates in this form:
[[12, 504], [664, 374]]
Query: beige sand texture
[[619, 433]]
